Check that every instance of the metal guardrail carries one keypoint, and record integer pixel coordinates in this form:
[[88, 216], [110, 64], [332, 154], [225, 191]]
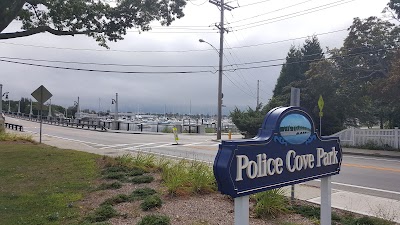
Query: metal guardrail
[[14, 126], [66, 123]]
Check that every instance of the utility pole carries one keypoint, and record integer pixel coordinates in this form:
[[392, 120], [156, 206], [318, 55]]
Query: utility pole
[[222, 30], [30, 111], [19, 107], [1, 99], [258, 92]]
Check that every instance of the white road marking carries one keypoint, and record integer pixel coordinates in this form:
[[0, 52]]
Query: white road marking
[[112, 146], [69, 139], [192, 144], [372, 158], [366, 188], [138, 146], [164, 145]]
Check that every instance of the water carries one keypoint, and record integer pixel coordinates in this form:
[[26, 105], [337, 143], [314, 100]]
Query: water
[[296, 139]]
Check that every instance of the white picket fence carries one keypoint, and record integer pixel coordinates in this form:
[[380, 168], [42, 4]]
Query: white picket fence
[[379, 137]]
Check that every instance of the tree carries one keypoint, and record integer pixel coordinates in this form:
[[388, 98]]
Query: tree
[[321, 81], [94, 18], [293, 72], [248, 121], [363, 60], [298, 61]]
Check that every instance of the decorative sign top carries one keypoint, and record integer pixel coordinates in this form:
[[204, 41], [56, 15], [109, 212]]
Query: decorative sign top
[[320, 103], [41, 94], [286, 151]]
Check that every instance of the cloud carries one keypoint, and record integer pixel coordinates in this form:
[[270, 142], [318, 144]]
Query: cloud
[[151, 92]]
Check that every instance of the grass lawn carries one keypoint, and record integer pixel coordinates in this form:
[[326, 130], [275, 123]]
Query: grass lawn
[[40, 184]]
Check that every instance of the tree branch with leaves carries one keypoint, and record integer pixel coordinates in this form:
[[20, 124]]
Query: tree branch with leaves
[[95, 18]]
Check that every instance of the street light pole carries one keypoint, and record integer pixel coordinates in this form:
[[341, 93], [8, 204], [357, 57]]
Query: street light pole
[[219, 115], [221, 54]]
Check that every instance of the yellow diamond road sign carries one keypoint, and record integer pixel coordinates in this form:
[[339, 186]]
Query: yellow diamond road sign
[[41, 94], [320, 103]]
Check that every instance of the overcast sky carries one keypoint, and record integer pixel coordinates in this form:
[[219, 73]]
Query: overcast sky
[[254, 25]]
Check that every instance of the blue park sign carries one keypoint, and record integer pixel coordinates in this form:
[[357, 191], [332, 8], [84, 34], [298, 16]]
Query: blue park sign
[[286, 151]]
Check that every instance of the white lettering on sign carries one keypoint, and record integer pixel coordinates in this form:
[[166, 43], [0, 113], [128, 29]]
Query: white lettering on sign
[[260, 168], [263, 166]]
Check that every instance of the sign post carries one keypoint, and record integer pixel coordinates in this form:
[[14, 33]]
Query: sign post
[[41, 94], [287, 150]]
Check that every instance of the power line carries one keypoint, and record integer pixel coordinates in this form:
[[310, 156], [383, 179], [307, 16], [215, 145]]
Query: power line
[[233, 57], [305, 12], [108, 71], [183, 66], [238, 86], [107, 64], [277, 10], [199, 71], [291, 39], [191, 1], [167, 51], [254, 3], [108, 50], [313, 60]]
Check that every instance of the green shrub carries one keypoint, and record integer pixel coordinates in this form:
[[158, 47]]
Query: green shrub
[[201, 178], [102, 213], [114, 185], [116, 200], [5, 136], [144, 161], [176, 178], [151, 202], [142, 193], [115, 176], [307, 211], [183, 177], [136, 172], [270, 203], [155, 220], [365, 220], [142, 179]]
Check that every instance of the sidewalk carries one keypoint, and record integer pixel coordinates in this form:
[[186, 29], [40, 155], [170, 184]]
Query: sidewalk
[[384, 208]]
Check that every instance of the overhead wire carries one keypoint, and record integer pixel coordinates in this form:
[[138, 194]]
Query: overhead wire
[[239, 74], [289, 16], [233, 57], [194, 66], [254, 3], [107, 64], [170, 51], [269, 12], [314, 60], [107, 71]]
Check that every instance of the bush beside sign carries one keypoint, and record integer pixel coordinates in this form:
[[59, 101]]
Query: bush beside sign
[[287, 150]]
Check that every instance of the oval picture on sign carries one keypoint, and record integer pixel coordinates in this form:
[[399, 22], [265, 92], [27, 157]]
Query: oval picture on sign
[[295, 128]]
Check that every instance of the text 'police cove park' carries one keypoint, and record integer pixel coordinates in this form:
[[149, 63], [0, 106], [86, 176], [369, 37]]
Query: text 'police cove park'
[[286, 151]]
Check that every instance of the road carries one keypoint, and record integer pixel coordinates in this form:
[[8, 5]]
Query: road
[[360, 174]]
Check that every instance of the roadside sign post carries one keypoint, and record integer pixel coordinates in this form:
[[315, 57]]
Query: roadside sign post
[[242, 210], [287, 150], [320, 106], [41, 94]]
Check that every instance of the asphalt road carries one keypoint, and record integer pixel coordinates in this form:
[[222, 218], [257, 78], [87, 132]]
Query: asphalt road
[[361, 174]]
